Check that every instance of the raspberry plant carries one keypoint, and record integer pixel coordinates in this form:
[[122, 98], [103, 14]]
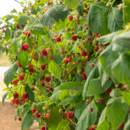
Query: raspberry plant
[[70, 64]]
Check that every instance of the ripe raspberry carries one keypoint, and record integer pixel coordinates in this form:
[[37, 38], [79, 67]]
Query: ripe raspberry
[[38, 115], [91, 109], [34, 58], [70, 18], [43, 67], [43, 84], [21, 77], [96, 48], [33, 110], [44, 52], [15, 82], [22, 25], [84, 53], [33, 88], [13, 101], [43, 128], [19, 64], [70, 115], [26, 46], [22, 101], [28, 34], [87, 101], [74, 37], [23, 10], [66, 61], [24, 49], [48, 79], [17, 26], [100, 100], [15, 95], [121, 127], [84, 76], [3, 30], [108, 91], [51, 57], [31, 66], [19, 118], [16, 101], [49, 3], [58, 39], [48, 116], [90, 53], [49, 89], [24, 95], [64, 118]]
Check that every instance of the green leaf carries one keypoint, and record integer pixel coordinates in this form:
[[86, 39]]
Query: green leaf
[[116, 111], [115, 93], [39, 30], [7, 34], [69, 4], [87, 118], [120, 69], [10, 73], [93, 74], [54, 119], [30, 93], [55, 97], [4, 96], [122, 40], [102, 123], [69, 85], [97, 23], [14, 11], [108, 38], [53, 14], [39, 75], [63, 125], [27, 120], [23, 58], [106, 58], [54, 68], [126, 96], [95, 87], [75, 45], [65, 94], [40, 106], [115, 20], [127, 125], [23, 19], [80, 9], [79, 109], [9, 17], [103, 75]]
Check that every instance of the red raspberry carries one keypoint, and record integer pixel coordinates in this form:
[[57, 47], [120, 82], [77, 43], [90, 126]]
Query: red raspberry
[[19, 64], [31, 66], [38, 115], [17, 26], [66, 61], [51, 57], [26, 46], [91, 109], [16, 95], [19, 118], [87, 101], [49, 3], [16, 101], [15, 82], [74, 37], [23, 48], [43, 67], [22, 101], [90, 53], [58, 39], [24, 95], [108, 91], [49, 89], [43, 128], [23, 10], [21, 77], [33, 88], [96, 48], [48, 116], [22, 25], [33, 110], [44, 52], [121, 127], [70, 115], [28, 34], [13, 101], [70, 18], [3, 30], [48, 79], [100, 100], [43, 84], [84, 53], [34, 58], [84, 76], [64, 118]]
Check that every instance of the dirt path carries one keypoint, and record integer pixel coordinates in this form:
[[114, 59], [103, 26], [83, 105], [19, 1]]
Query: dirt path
[[7, 112]]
